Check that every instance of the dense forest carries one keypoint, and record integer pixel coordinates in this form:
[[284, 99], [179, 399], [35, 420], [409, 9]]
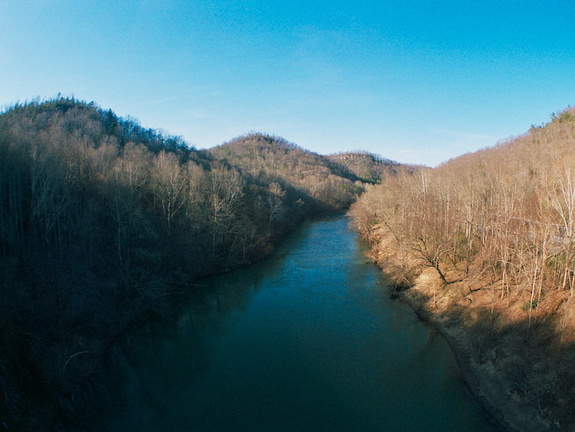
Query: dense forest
[[483, 246], [102, 220]]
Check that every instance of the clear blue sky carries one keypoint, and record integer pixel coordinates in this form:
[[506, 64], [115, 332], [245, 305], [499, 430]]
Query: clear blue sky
[[414, 81]]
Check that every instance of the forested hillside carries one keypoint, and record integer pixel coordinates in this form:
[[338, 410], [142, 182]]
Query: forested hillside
[[484, 246], [102, 219], [330, 185], [370, 168]]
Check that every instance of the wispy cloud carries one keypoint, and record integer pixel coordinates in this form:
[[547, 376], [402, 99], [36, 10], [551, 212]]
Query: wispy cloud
[[200, 114], [166, 99], [467, 135], [195, 93]]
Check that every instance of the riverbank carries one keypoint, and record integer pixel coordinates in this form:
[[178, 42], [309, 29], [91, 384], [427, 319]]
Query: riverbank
[[513, 360], [461, 352]]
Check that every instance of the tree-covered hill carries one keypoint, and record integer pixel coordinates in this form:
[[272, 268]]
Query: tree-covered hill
[[330, 185], [101, 219], [368, 167]]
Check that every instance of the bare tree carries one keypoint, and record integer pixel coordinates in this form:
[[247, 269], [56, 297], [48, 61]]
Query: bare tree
[[170, 186]]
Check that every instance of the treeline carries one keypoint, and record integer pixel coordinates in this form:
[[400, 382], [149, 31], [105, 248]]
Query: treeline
[[101, 219], [497, 228]]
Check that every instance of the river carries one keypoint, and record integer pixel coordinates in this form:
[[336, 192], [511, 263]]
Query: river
[[306, 340]]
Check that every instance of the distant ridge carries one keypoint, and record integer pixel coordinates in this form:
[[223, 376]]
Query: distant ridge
[[330, 184], [369, 167]]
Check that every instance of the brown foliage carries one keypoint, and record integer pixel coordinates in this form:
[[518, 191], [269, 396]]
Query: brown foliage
[[501, 222], [321, 183]]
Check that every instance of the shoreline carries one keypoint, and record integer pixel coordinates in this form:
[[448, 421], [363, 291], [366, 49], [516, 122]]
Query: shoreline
[[517, 371], [465, 370]]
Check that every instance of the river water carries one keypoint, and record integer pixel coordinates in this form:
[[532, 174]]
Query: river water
[[306, 340]]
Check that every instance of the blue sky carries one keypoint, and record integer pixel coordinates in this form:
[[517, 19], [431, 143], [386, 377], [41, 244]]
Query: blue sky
[[413, 81]]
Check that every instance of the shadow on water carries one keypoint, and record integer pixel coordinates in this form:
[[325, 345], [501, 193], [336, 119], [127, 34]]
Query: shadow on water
[[166, 354], [306, 340]]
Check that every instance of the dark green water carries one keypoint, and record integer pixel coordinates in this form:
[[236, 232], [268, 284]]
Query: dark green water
[[307, 340]]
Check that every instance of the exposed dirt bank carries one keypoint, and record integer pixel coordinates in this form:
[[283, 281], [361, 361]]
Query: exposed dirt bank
[[517, 361]]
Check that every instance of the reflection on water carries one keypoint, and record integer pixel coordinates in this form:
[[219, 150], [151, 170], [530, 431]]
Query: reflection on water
[[307, 340]]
